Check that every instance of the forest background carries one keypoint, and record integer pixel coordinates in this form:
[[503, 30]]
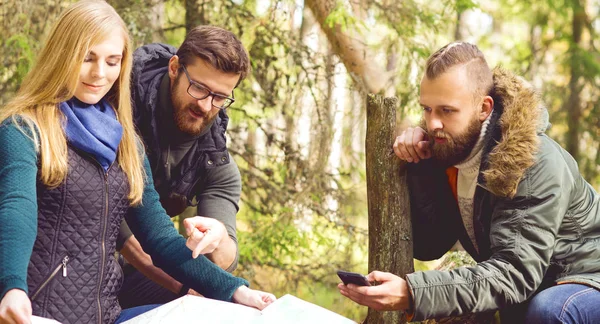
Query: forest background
[[297, 128]]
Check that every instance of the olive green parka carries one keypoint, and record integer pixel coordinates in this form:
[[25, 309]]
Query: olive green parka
[[536, 220]]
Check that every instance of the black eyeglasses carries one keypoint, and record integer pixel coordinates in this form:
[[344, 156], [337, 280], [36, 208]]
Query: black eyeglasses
[[199, 92]]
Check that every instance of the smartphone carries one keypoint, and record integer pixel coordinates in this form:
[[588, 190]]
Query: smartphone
[[353, 278]]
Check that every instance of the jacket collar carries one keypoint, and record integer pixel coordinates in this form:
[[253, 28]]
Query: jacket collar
[[512, 142]]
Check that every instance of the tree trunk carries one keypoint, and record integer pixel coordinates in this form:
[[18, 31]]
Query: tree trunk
[[574, 102], [194, 14], [390, 231], [459, 33], [322, 136]]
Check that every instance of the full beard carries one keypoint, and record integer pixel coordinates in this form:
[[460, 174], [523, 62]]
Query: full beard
[[184, 122], [189, 124], [456, 148]]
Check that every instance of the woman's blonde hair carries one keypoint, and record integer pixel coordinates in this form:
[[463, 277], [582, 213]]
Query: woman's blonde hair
[[53, 79]]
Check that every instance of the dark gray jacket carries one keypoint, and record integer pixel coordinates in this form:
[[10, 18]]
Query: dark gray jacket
[[536, 220], [206, 172], [208, 152]]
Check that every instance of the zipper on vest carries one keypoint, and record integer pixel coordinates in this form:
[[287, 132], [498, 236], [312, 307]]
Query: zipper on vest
[[102, 243], [104, 226], [62, 265]]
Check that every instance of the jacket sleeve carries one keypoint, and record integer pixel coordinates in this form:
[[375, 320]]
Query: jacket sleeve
[[124, 234], [433, 210], [218, 198], [158, 237], [18, 206], [522, 237]]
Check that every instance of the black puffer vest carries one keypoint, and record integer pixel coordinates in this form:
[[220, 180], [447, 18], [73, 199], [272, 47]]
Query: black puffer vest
[[209, 151], [73, 276]]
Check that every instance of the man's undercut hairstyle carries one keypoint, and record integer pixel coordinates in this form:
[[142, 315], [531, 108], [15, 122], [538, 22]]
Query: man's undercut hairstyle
[[216, 46], [468, 55]]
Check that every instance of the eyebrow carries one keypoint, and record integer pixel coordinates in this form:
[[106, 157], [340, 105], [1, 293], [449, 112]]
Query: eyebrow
[[110, 56], [207, 87], [445, 106]]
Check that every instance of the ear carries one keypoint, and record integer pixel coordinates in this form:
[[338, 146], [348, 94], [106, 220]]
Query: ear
[[486, 108], [173, 67]]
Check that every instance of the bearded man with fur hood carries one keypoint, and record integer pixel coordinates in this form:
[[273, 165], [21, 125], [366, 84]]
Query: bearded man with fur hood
[[482, 172]]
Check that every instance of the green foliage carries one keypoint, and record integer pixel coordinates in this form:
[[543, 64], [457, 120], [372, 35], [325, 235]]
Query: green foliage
[[549, 45], [174, 23], [464, 5], [340, 16], [588, 63], [19, 49], [25, 26], [21, 46]]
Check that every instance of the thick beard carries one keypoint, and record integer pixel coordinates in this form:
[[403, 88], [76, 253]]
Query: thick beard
[[456, 148], [183, 120], [185, 123]]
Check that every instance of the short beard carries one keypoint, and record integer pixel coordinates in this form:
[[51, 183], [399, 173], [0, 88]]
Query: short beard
[[181, 117], [456, 148]]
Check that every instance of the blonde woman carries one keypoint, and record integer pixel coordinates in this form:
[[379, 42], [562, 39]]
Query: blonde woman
[[72, 168]]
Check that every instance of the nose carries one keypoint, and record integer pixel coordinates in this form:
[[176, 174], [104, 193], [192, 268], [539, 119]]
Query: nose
[[205, 104], [99, 70], [435, 123]]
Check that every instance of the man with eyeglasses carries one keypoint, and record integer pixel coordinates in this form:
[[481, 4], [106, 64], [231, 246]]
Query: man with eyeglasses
[[180, 98]]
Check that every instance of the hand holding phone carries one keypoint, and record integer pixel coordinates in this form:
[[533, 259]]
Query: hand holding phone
[[353, 278]]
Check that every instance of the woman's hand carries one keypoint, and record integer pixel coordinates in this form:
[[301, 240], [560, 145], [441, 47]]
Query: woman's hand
[[204, 234], [253, 298], [15, 308]]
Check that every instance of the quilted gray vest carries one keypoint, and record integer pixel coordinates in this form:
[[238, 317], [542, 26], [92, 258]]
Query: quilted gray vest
[[73, 276]]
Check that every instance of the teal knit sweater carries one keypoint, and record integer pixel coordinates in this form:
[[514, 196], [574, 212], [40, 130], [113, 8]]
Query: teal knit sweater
[[148, 221]]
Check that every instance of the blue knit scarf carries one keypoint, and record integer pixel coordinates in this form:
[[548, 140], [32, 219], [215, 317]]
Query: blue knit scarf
[[93, 129]]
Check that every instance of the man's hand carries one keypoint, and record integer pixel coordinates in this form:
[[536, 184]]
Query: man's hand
[[15, 307], [204, 234], [253, 298], [412, 145], [391, 295], [134, 254]]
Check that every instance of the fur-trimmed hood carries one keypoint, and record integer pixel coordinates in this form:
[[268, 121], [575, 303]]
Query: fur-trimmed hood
[[512, 141]]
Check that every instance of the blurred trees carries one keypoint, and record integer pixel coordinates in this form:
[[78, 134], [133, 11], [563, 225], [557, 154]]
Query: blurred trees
[[555, 44], [297, 129], [23, 23]]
